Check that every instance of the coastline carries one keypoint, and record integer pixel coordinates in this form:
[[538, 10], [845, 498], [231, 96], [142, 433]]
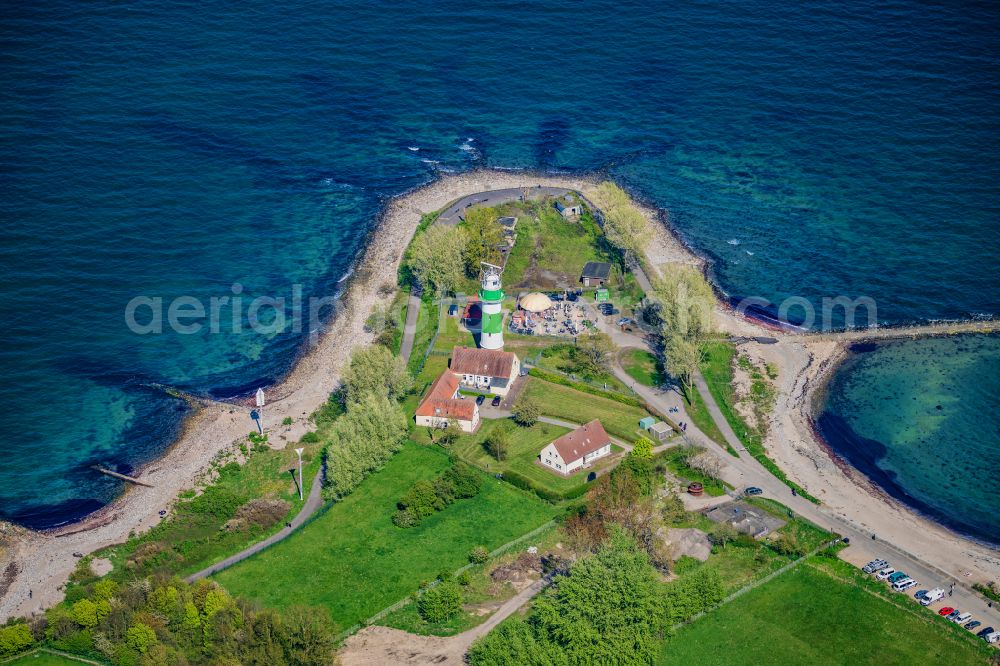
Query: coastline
[[44, 560]]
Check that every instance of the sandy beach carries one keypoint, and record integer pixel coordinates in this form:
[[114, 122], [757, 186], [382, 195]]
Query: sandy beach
[[41, 562]]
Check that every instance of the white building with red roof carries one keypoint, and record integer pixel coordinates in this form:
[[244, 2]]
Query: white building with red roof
[[444, 405], [577, 449]]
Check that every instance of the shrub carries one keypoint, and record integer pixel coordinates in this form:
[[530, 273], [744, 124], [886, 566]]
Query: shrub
[[424, 498], [311, 437], [140, 637], [440, 603], [526, 412], [287, 421], [643, 448], [479, 554], [15, 638]]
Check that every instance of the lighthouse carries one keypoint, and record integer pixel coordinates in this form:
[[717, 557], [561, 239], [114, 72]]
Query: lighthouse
[[491, 295]]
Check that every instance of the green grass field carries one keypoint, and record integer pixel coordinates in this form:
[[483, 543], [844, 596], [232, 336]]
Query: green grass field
[[41, 658], [643, 367], [355, 562], [561, 247], [806, 616], [562, 402]]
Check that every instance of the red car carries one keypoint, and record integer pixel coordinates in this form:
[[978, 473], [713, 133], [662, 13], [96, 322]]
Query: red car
[[947, 610]]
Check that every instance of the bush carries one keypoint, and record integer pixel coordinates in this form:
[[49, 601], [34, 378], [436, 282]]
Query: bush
[[479, 555], [526, 412], [441, 602], [498, 442], [15, 638], [311, 437], [425, 498]]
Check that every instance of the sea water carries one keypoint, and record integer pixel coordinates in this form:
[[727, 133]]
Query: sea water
[[167, 150], [917, 416]]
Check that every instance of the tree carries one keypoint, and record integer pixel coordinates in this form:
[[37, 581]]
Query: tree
[[681, 358], [687, 302], [140, 637], [625, 227], [643, 448], [707, 463], [479, 554], [482, 237], [310, 635], [787, 543], [723, 534], [607, 610], [362, 440], [374, 369], [514, 642], [85, 613], [593, 353], [450, 434], [498, 442], [436, 257], [15, 638], [526, 412], [441, 602]]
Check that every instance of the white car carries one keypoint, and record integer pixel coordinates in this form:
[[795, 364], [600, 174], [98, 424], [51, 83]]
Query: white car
[[962, 619], [934, 595], [903, 585], [885, 573]]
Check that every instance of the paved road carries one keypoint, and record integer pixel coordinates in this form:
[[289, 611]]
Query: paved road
[[455, 212], [410, 326], [313, 502]]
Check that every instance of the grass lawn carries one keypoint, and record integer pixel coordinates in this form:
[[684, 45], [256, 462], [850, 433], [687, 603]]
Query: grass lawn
[[427, 322], [559, 357], [643, 367], [674, 460], [806, 616], [355, 562], [525, 445], [42, 658], [192, 536], [552, 249], [619, 420]]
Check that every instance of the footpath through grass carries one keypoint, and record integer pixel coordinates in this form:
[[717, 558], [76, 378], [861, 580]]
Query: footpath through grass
[[45, 658], [355, 562], [717, 368], [807, 616]]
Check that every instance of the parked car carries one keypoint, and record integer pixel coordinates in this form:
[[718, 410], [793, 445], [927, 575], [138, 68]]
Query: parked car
[[480, 399], [952, 615], [985, 632], [898, 576], [947, 610], [972, 625], [934, 595], [904, 584], [753, 490], [919, 594], [885, 573], [874, 566], [992, 637], [962, 618], [496, 401]]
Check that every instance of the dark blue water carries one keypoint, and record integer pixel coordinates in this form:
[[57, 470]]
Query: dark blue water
[[177, 149]]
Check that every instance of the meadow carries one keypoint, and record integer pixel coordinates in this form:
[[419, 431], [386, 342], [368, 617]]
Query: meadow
[[355, 562], [809, 615], [619, 420]]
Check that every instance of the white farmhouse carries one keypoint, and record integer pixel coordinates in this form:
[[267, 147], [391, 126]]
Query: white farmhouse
[[487, 370], [443, 406], [577, 449]]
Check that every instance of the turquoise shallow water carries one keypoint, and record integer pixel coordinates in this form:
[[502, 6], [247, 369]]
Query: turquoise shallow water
[[918, 417], [174, 150]]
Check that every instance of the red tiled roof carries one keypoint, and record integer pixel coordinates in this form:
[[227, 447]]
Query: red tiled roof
[[584, 440], [441, 403], [485, 362]]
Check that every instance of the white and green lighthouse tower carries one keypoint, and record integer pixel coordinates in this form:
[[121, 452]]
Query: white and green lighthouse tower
[[491, 295]]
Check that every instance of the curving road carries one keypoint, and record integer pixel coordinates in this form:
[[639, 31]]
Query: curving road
[[313, 502]]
